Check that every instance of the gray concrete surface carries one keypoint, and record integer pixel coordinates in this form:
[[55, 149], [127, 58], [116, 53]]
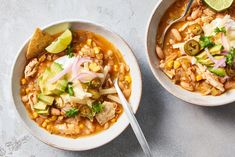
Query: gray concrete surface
[[172, 127]]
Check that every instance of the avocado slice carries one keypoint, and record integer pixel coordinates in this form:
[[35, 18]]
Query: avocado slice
[[40, 106], [58, 87], [47, 99], [202, 56], [56, 68], [215, 50], [206, 62], [43, 112], [219, 71]]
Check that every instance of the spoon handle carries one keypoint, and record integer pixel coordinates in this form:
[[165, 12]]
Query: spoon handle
[[134, 123], [177, 20], [187, 8]]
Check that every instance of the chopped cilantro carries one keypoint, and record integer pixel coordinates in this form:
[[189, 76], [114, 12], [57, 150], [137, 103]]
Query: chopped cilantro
[[72, 112], [230, 57], [218, 30], [206, 41], [70, 89], [69, 51], [97, 107]]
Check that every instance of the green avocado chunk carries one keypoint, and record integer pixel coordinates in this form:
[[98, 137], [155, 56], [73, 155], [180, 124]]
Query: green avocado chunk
[[205, 60], [40, 106], [55, 88], [47, 99], [58, 87], [215, 50], [219, 71], [43, 112]]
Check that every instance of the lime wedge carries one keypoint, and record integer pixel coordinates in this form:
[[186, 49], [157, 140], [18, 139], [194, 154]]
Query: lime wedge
[[61, 43], [219, 5]]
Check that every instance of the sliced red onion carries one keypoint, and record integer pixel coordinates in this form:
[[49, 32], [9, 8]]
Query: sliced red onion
[[77, 64], [209, 55], [74, 66], [224, 42], [60, 74], [85, 77], [224, 52], [220, 63]]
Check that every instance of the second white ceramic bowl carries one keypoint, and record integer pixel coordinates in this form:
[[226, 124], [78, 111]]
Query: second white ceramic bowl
[[191, 97], [88, 142]]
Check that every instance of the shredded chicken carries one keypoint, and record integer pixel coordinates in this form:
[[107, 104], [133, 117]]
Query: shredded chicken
[[210, 77], [107, 114], [66, 129], [32, 68]]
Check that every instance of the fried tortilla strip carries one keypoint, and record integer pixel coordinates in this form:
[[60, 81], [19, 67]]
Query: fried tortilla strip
[[39, 41]]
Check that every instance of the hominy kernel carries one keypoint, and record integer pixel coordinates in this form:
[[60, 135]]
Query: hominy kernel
[[97, 50], [42, 58], [176, 64], [81, 126], [35, 115], [27, 90], [199, 77], [88, 42], [115, 67], [48, 127], [44, 124], [23, 81], [128, 78], [113, 120]]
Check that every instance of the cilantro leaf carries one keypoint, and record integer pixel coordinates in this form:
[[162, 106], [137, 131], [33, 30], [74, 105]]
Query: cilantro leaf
[[206, 41], [97, 107], [72, 112], [220, 30], [69, 51], [230, 57]]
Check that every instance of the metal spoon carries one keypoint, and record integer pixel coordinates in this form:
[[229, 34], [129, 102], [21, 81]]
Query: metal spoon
[[177, 20], [134, 123]]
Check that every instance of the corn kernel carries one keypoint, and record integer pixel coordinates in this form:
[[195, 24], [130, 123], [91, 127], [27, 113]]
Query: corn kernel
[[199, 77], [47, 121], [48, 127], [97, 50], [53, 118], [115, 67], [99, 56], [128, 78], [113, 120], [88, 42], [44, 124], [23, 81], [170, 64], [81, 126], [94, 67], [35, 115], [42, 58], [27, 90], [176, 64]]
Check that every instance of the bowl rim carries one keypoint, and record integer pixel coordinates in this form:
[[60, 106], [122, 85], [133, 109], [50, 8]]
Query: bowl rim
[[158, 77], [19, 51]]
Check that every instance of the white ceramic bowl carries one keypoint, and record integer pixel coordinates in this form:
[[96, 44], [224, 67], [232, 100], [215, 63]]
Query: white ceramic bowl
[[89, 142], [191, 97]]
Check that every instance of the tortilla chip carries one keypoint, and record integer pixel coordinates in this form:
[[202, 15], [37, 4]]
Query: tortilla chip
[[39, 41]]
